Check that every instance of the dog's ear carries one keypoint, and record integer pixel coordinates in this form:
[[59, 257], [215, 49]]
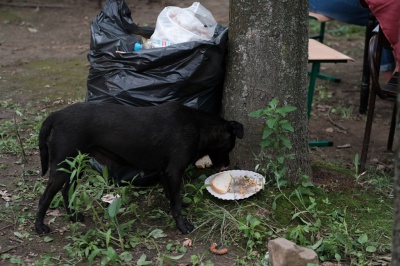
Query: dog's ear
[[237, 129]]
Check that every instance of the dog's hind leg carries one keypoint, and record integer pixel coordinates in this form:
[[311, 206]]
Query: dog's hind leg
[[56, 181]]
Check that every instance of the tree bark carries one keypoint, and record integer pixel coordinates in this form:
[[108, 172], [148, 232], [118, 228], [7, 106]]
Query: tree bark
[[267, 59]]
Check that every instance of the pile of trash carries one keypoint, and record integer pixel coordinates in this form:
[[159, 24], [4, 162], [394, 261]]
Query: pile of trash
[[184, 59]]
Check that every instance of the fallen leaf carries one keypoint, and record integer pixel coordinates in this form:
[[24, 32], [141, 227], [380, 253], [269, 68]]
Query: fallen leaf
[[48, 239], [329, 130], [33, 30], [58, 102], [54, 213], [5, 195], [345, 146], [323, 108], [187, 243], [52, 220], [109, 198], [62, 230]]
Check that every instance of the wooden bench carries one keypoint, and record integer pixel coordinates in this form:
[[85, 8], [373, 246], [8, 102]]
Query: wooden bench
[[321, 19], [320, 53]]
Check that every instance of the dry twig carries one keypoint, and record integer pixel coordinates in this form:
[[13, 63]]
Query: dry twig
[[334, 123]]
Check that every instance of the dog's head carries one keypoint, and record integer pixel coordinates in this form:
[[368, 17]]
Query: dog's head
[[223, 139]]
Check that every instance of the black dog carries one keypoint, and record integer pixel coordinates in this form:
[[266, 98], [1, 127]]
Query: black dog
[[165, 138]]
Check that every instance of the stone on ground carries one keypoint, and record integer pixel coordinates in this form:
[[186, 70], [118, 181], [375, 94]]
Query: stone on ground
[[283, 252]]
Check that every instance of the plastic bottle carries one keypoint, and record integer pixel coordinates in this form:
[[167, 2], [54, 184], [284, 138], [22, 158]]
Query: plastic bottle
[[150, 43]]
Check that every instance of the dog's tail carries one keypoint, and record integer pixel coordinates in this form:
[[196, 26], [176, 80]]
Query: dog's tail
[[44, 134]]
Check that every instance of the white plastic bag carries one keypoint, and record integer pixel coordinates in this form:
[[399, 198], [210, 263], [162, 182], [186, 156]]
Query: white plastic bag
[[177, 25]]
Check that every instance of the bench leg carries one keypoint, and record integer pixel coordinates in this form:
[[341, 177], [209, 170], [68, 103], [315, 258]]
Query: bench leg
[[311, 89], [311, 86], [329, 78]]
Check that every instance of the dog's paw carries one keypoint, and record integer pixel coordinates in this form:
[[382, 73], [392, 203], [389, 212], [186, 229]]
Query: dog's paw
[[77, 217], [185, 227], [42, 229]]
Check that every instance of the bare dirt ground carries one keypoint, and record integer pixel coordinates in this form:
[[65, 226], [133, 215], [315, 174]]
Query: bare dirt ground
[[61, 30]]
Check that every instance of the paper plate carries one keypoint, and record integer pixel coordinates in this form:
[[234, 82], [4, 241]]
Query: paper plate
[[244, 184]]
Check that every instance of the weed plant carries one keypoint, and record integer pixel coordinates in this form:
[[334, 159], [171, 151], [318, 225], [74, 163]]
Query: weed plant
[[275, 144], [323, 93], [344, 112], [19, 134]]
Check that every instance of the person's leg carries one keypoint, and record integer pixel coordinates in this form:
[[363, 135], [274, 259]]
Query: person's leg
[[348, 11], [388, 64]]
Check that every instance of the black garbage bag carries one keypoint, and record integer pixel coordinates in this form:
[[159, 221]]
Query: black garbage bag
[[190, 72]]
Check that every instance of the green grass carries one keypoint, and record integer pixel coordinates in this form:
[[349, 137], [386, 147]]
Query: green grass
[[337, 29], [364, 204], [9, 16], [335, 167], [350, 32], [47, 81]]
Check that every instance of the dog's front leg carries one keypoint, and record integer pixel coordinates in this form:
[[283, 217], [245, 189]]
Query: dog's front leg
[[174, 191]]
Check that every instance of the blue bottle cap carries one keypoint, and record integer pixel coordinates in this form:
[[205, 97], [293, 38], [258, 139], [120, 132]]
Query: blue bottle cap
[[137, 47]]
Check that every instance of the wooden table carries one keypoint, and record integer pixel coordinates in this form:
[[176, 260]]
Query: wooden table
[[320, 53]]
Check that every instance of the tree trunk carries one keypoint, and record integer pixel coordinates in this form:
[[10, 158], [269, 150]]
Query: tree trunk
[[267, 59]]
